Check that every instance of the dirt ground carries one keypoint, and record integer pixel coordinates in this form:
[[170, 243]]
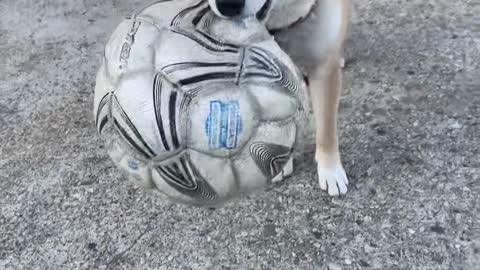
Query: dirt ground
[[410, 138]]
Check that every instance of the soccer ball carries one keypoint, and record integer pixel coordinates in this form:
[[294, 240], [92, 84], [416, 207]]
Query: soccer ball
[[198, 108]]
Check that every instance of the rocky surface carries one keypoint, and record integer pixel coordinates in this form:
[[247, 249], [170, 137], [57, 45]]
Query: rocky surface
[[410, 136]]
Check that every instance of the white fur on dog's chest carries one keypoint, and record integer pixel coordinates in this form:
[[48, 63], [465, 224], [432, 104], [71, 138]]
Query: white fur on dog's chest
[[287, 12]]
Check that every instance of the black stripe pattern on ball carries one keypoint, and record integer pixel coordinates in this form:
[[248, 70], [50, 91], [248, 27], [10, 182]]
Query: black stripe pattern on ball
[[166, 105], [168, 69], [185, 178], [262, 64], [157, 101], [258, 63], [109, 109], [172, 108], [185, 22], [270, 158], [101, 118], [125, 126], [192, 73]]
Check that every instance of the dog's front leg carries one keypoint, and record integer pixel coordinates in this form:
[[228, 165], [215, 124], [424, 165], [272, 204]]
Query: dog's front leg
[[325, 91]]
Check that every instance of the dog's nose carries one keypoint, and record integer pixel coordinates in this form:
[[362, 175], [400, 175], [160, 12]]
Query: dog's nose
[[230, 8]]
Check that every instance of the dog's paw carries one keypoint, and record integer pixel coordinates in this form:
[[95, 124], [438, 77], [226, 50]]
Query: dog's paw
[[334, 180]]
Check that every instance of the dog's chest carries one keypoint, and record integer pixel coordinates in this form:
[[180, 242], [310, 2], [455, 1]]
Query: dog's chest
[[287, 12]]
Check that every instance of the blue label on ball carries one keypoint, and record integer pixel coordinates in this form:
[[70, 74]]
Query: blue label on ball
[[133, 165], [223, 125]]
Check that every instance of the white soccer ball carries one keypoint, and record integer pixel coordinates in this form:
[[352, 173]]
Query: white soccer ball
[[196, 107]]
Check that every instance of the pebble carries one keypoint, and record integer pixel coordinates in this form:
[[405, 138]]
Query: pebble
[[455, 125], [332, 266]]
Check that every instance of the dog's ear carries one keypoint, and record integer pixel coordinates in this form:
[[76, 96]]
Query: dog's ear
[[262, 14]]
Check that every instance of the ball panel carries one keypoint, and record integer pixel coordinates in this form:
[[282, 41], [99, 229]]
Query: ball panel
[[222, 121], [184, 178], [171, 190], [164, 11], [249, 176], [102, 111], [113, 51], [291, 77], [270, 157], [271, 147], [277, 133], [136, 126], [147, 108], [286, 171], [193, 71], [130, 50], [274, 105], [103, 87], [137, 170], [139, 173], [217, 171], [267, 154], [169, 114]]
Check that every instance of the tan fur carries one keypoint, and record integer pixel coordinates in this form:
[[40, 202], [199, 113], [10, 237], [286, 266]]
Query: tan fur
[[316, 45], [311, 46]]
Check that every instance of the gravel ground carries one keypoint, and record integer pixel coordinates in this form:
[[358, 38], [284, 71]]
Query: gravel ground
[[410, 133]]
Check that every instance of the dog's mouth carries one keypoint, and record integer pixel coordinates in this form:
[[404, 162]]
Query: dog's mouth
[[263, 12]]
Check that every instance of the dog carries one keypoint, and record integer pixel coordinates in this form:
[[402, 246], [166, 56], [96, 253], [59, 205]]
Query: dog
[[313, 33]]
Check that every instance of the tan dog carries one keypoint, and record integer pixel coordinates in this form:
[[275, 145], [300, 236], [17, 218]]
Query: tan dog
[[312, 32]]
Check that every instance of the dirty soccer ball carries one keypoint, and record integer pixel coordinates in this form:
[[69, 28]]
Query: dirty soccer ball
[[196, 107]]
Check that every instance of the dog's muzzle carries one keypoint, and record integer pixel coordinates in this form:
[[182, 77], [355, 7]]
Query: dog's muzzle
[[230, 8]]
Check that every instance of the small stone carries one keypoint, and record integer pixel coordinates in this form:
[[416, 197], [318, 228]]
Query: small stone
[[317, 245], [92, 246], [438, 229], [364, 263], [332, 266], [455, 125], [268, 230], [348, 262], [411, 231]]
